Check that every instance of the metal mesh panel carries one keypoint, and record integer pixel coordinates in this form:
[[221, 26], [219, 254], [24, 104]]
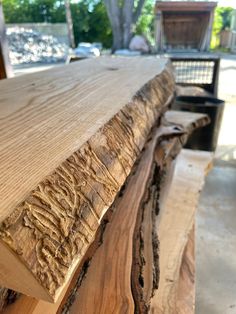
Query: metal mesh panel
[[194, 72], [202, 71]]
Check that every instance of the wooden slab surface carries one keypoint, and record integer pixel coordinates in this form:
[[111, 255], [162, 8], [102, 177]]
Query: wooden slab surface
[[108, 286], [168, 134], [47, 116], [185, 302], [109, 277], [122, 276], [175, 222], [69, 138]]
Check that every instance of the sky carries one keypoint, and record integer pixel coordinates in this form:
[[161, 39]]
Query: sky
[[227, 3]]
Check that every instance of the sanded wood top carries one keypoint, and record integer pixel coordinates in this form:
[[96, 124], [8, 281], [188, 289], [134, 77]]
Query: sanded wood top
[[46, 116]]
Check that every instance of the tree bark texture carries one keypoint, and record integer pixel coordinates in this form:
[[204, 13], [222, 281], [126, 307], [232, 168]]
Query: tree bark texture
[[69, 24], [123, 274], [123, 15]]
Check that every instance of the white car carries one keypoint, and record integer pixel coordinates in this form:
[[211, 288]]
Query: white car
[[86, 50]]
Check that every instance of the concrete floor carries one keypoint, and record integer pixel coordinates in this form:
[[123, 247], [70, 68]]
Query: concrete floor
[[216, 216], [216, 244]]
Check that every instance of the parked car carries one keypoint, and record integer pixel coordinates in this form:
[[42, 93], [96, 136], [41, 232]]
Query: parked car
[[87, 50]]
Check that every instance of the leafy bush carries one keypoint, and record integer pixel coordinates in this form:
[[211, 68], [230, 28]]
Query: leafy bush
[[222, 19]]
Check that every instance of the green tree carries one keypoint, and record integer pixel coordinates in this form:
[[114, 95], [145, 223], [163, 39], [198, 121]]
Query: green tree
[[91, 23], [222, 19], [145, 23]]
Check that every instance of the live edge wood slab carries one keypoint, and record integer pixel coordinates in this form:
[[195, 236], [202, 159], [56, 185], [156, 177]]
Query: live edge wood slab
[[124, 272], [68, 140], [120, 270]]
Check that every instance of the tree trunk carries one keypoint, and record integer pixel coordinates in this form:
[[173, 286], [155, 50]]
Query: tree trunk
[[122, 18], [5, 65], [117, 37], [114, 15], [127, 22], [69, 24]]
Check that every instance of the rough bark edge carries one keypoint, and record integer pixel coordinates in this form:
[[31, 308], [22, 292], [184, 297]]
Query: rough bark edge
[[165, 154], [138, 281], [171, 148], [7, 297], [60, 217], [159, 134], [173, 145]]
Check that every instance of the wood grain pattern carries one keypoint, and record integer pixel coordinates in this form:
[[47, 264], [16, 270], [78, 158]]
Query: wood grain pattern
[[123, 273], [186, 120], [108, 279], [63, 108], [67, 147], [185, 302], [175, 222], [30, 305]]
